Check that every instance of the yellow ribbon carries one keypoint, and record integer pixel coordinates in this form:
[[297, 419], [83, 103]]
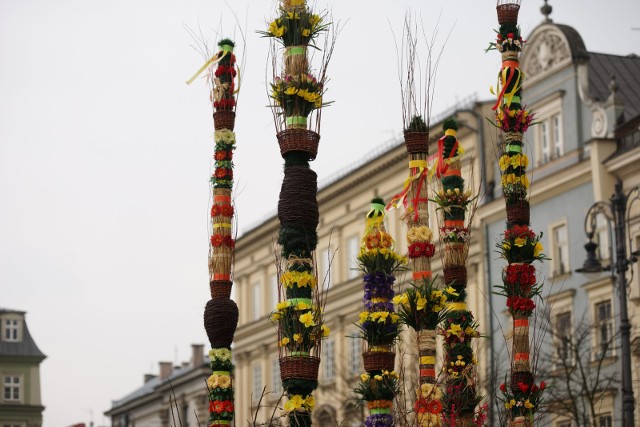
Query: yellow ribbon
[[450, 132], [221, 225], [214, 60], [421, 165], [378, 300], [427, 360]]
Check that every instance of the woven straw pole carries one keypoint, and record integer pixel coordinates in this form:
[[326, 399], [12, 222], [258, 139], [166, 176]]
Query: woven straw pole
[[426, 342]]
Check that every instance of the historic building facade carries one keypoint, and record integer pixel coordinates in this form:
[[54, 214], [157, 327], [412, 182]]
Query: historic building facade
[[20, 358], [588, 137]]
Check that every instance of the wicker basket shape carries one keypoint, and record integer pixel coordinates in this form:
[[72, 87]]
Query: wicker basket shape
[[378, 360], [508, 13], [416, 142], [299, 367], [301, 140], [518, 214], [224, 120], [455, 275], [220, 322], [220, 289]]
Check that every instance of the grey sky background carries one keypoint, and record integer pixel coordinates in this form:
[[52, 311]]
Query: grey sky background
[[105, 159]]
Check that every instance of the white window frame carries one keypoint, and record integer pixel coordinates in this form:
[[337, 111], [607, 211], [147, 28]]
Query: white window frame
[[275, 291], [597, 292], [558, 248], [276, 381], [12, 383], [11, 330], [325, 267], [604, 420], [353, 248], [256, 382], [258, 301], [355, 355], [603, 324], [549, 132], [329, 359]]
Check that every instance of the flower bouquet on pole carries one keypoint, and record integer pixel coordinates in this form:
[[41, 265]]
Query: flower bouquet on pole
[[520, 246], [378, 323]]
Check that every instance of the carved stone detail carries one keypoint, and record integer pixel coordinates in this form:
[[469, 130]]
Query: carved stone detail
[[599, 123], [544, 52]]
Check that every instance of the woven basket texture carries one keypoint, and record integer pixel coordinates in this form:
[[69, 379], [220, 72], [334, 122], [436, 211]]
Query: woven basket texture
[[298, 203], [417, 142], [301, 140], [302, 368], [378, 360], [220, 289], [224, 120], [220, 321]]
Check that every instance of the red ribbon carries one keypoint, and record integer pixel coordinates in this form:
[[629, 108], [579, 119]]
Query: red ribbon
[[511, 65], [442, 165]]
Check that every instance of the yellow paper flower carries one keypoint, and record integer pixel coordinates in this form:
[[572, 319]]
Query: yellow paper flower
[[275, 316], [420, 304], [520, 241], [377, 377], [297, 338], [325, 331], [224, 381], [364, 377], [455, 329], [307, 319], [296, 401], [528, 404], [310, 402], [364, 316], [212, 381], [276, 30], [282, 305], [537, 249], [284, 341], [302, 306]]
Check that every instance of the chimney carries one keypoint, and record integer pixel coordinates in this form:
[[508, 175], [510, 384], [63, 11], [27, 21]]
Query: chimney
[[148, 377], [165, 369], [197, 358]]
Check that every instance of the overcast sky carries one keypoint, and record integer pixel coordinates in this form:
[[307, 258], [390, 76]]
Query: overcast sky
[[105, 159]]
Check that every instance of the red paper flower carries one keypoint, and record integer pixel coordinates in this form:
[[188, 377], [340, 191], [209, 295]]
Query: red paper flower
[[223, 155], [421, 249], [228, 241], [543, 385], [421, 405], [523, 387], [227, 210], [217, 240], [228, 406], [217, 407], [434, 407]]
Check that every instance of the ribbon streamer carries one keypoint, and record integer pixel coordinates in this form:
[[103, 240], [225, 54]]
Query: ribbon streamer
[[213, 60], [511, 66], [418, 171]]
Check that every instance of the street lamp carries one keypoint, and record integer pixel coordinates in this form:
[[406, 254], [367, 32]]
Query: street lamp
[[617, 208]]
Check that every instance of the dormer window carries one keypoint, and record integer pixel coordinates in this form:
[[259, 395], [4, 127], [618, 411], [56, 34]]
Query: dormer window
[[11, 330]]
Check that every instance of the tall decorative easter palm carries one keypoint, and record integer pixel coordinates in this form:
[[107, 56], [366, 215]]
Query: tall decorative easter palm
[[520, 246], [221, 312], [378, 323], [297, 99]]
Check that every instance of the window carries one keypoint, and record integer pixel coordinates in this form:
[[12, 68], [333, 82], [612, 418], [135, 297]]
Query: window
[[560, 259], [605, 420], [355, 355], [549, 140], [257, 301], [11, 330], [328, 348], [324, 267], [545, 149], [353, 247], [11, 387], [604, 328], [276, 382], [562, 337], [275, 292], [557, 136], [257, 384]]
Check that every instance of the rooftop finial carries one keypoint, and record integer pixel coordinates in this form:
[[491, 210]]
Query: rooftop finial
[[613, 85], [546, 11]]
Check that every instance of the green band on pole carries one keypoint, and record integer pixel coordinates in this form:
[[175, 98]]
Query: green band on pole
[[514, 148], [222, 373], [296, 50], [515, 99], [295, 301], [297, 120], [226, 48], [377, 206], [219, 422], [299, 353], [380, 411]]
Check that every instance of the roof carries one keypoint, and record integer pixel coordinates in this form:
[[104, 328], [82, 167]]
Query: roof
[[576, 44], [150, 386], [25, 348], [626, 70]]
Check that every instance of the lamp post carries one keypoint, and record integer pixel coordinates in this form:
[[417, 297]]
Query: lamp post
[[617, 208]]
